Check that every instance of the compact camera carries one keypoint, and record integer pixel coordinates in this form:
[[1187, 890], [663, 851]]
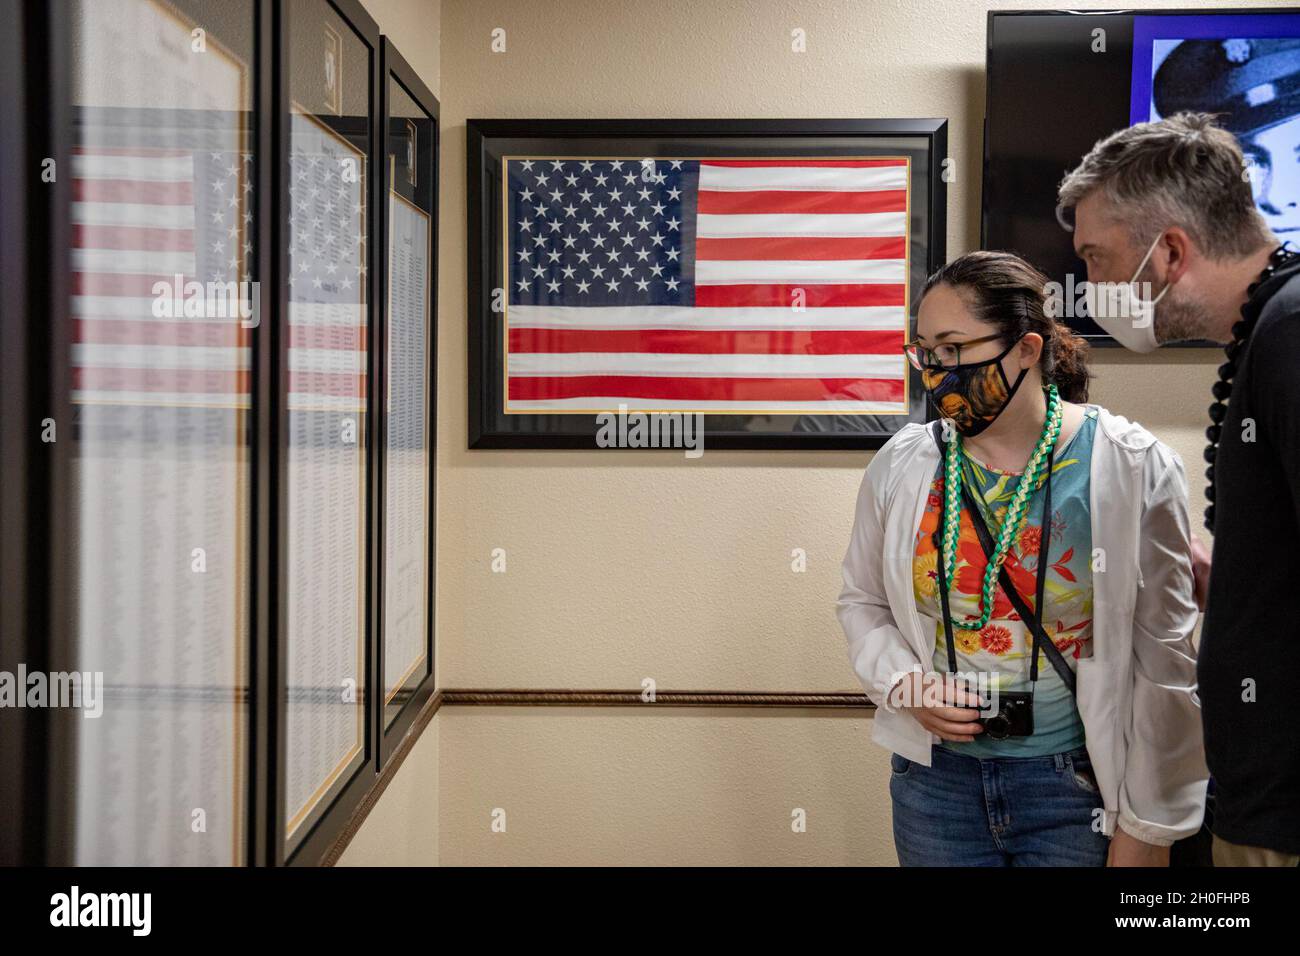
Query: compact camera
[[1014, 718]]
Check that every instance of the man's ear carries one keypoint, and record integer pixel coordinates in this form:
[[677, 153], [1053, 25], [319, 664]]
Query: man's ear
[[1179, 249], [1031, 349]]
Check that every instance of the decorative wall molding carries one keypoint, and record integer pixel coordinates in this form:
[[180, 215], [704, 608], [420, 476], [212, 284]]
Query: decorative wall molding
[[575, 698], [633, 698]]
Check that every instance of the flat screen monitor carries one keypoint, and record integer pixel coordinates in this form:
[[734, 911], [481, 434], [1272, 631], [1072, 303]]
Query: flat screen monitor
[[1059, 81]]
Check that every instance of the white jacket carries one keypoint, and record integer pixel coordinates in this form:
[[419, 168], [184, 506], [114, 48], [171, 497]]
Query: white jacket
[[1136, 694]]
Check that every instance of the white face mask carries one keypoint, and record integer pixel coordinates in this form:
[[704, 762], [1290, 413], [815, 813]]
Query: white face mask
[[1119, 309]]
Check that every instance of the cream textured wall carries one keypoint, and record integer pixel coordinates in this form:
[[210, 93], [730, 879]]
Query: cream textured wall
[[627, 565], [414, 27]]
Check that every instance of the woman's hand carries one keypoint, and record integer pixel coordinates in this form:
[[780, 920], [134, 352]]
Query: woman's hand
[[933, 700], [1128, 850]]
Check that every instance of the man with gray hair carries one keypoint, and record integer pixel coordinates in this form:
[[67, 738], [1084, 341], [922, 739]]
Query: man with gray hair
[[1163, 213]]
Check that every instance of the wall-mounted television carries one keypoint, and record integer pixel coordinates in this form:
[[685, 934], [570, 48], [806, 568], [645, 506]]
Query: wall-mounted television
[[1060, 80]]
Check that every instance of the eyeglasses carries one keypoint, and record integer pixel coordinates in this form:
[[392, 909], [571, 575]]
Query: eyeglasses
[[943, 356]]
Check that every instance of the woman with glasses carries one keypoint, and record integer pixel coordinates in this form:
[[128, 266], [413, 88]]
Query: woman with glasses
[[1018, 599]]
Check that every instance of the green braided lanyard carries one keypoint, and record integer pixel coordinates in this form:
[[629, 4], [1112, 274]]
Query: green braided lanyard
[[1017, 511]]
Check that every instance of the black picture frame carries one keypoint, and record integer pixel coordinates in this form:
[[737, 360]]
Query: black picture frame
[[38, 560], [20, 784], [419, 184], [327, 820], [488, 140]]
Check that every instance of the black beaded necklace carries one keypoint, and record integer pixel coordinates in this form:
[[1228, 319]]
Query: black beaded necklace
[[1222, 389]]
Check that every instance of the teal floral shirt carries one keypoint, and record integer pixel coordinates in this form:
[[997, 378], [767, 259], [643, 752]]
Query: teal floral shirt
[[1001, 649]]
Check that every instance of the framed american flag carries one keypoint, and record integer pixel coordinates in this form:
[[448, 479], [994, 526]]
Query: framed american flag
[[757, 277]]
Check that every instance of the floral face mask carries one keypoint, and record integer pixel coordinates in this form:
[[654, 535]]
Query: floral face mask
[[974, 395]]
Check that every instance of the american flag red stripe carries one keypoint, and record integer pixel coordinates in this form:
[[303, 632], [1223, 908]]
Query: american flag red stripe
[[124, 285], [160, 381], [133, 237], [194, 332], [818, 163], [126, 190], [703, 389], [797, 201], [850, 341], [815, 296], [796, 273], [795, 247]]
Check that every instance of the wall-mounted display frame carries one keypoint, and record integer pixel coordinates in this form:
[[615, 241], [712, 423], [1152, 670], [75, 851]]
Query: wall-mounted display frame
[[262, 159], [329, 189], [760, 274], [407, 381], [164, 177]]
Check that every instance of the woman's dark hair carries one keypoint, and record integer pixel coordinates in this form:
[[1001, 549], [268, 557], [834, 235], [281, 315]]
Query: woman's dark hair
[[1008, 293]]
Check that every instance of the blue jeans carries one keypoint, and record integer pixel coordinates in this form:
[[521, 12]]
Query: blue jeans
[[1000, 811]]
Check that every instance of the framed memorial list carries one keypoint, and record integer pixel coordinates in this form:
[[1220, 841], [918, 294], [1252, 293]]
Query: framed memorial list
[[758, 275], [408, 343], [332, 51], [163, 224]]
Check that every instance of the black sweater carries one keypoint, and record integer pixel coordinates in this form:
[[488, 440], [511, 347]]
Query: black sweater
[[1249, 659]]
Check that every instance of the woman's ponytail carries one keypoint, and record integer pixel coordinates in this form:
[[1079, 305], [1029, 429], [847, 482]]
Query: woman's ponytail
[[1065, 362], [1007, 292]]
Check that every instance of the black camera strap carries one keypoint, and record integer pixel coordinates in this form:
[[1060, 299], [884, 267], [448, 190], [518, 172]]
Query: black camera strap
[[1032, 619]]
